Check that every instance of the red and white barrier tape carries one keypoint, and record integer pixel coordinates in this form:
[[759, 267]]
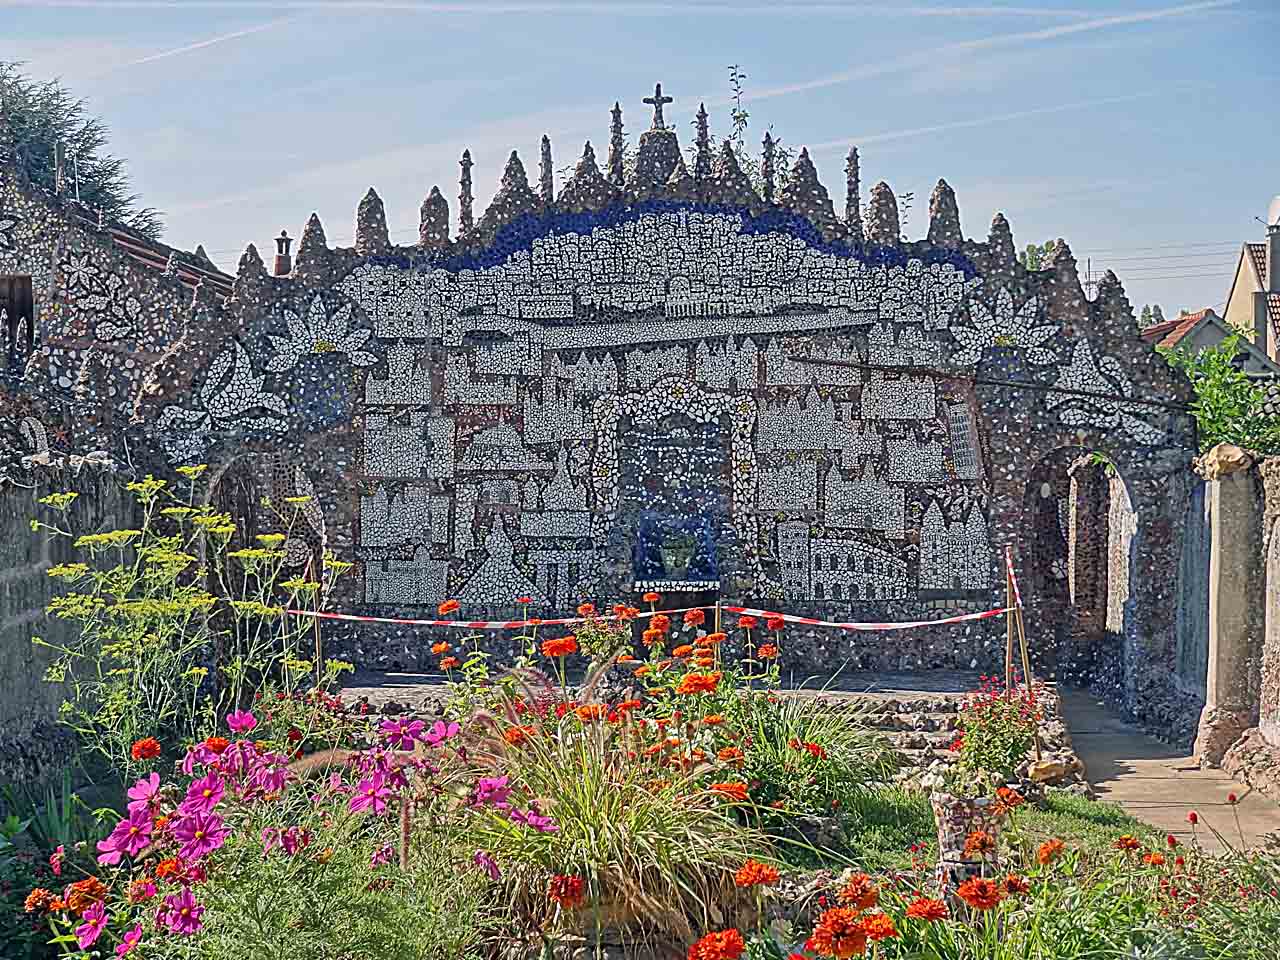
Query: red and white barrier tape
[[566, 621], [866, 627], [1013, 577]]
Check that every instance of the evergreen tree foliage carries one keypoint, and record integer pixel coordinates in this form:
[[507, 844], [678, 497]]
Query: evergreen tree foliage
[[36, 117]]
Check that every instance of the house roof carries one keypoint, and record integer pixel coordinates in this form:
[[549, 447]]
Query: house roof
[[192, 268], [1167, 333], [1258, 254]]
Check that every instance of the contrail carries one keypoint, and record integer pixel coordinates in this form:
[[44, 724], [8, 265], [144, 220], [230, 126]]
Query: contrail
[[201, 44], [553, 6], [977, 121]]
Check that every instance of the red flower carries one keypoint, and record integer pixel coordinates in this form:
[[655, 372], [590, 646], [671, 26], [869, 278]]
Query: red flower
[[567, 891], [1231, 799], [651, 637], [733, 790], [1016, 884], [922, 908], [517, 736], [590, 711], [775, 624], [979, 844], [448, 607], [722, 945], [148, 748], [980, 893], [748, 622], [695, 618], [815, 751], [1127, 842], [441, 647], [860, 891], [711, 639], [660, 622], [1171, 840], [754, 874], [1153, 859], [730, 755], [1193, 818], [684, 650], [766, 651], [839, 933], [294, 735], [560, 646], [651, 597], [1049, 851], [524, 599], [586, 609], [217, 744], [450, 663]]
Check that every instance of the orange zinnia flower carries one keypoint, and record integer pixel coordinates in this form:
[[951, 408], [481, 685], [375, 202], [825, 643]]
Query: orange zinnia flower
[[517, 736], [560, 646], [440, 647], [651, 597], [755, 874], [628, 658], [590, 711], [722, 945], [586, 609], [660, 622], [839, 933], [683, 650], [450, 663], [766, 651], [1154, 859], [730, 755], [567, 891], [83, 894], [980, 893], [168, 868], [922, 908], [651, 637], [1049, 851], [1016, 884], [733, 790], [448, 607], [979, 844], [217, 744], [642, 671], [699, 683], [1127, 842], [879, 926], [148, 748], [860, 891], [747, 622], [1008, 799], [714, 720], [711, 639], [694, 618], [39, 900]]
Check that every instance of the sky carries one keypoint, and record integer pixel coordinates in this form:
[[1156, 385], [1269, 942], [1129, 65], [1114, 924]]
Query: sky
[[1143, 131]]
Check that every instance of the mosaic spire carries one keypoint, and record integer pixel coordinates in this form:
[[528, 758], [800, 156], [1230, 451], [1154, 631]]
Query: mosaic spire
[[371, 226], [805, 195], [1000, 243], [587, 189], [852, 200], [702, 157], [767, 170], [882, 216], [546, 178], [617, 146], [433, 220], [944, 217], [313, 248], [466, 217]]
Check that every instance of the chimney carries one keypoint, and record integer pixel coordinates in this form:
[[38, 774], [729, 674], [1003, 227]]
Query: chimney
[[1273, 246], [284, 262]]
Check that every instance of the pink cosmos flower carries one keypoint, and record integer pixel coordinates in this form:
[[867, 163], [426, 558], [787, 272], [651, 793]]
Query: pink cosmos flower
[[534, 820], [401, 734], [131, 940], [199, 755], [294, 839], [200, 834], [95, 921], [182, 913], [130, 837], [370, 792], [382, 855], [203, 795], [242, 721], [144, 795], [492, 792], [440, 732], [487, 864], [269, 773], [55, 859]]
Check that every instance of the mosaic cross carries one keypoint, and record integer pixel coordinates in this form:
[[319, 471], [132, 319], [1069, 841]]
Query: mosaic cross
[[657, 100]]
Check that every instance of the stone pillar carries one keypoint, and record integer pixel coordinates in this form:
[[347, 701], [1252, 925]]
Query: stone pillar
[[1235, 586]]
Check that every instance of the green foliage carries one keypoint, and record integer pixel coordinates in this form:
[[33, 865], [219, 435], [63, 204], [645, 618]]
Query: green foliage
[[1228, 407], [747, 155], [154, 609], [41, 116], [1036, 255], [22, 936], [56, 816], [997, 728]]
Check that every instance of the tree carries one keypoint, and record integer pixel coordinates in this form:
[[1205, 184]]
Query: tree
[[40, 119], [1036, 256], [1229, 407], [1157, 315], [745, 155], [1144, 318]]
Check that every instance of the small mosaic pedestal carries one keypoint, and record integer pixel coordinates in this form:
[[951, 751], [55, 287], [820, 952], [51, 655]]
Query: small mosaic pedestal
[[957, 818]]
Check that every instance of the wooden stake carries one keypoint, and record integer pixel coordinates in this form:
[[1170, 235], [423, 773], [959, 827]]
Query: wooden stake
[[1008, 623]]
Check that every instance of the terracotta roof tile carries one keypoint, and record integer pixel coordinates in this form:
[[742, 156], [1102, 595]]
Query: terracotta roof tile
[[150, 253], [1258, 254], [1167, 333]]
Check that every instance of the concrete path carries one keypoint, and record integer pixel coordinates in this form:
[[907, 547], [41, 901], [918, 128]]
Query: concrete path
[[1158, 784]]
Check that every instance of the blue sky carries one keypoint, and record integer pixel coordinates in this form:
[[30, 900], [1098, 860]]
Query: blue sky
[[1143, 132]]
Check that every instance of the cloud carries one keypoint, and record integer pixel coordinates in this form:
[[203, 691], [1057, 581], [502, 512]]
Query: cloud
[[863, 139]]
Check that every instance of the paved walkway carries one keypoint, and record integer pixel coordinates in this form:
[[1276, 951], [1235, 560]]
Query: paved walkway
[[1158, 784]]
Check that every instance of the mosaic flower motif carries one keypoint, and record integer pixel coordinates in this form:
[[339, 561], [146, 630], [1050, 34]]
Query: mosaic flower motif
[[319, 331], [1099, 388], [1000, 325], [231, 397], [79, 271]]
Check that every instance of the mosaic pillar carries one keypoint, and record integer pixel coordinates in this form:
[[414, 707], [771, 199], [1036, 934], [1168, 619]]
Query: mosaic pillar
[[957, 818]]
